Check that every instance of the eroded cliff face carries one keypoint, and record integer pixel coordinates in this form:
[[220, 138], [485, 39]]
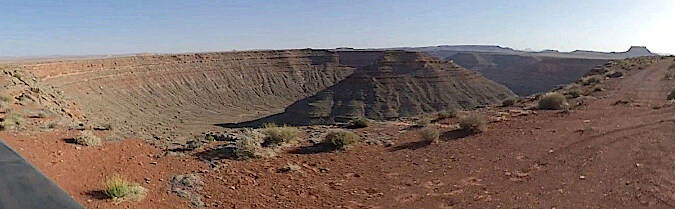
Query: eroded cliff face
[[399, 84], [173, 97], [167, 95], [526, 75]]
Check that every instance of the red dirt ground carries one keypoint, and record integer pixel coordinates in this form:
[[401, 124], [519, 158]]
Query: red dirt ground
[[546, 160]]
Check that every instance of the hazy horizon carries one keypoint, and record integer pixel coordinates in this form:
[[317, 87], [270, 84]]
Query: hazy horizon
[[80, 28]]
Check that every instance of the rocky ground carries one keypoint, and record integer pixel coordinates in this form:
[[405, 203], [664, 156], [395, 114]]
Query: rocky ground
[[612, 149]]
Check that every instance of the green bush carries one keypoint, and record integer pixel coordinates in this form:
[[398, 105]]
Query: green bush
[[277, 135], [429, 134], [359, 123], [119, 188], [474, 123], [339, 139], [672, 93], [11, 120], [552, 101]]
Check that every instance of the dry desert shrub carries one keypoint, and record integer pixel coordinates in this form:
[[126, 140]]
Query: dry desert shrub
[[339, 139], [277, 135], [672, 93], [359, 123], [474, 123], [250, 146], [573, 92], [87, 138], [120, 189], [11, 121], [429, 134], [552, 101], [509, 102], [7, 98], [592, 80], [422, 122], [451, 113]]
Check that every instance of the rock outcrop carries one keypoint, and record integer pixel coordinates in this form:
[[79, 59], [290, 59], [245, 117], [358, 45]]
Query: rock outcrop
[[399, 84]]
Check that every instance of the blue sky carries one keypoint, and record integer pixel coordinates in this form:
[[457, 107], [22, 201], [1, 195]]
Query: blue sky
[[40, 28]]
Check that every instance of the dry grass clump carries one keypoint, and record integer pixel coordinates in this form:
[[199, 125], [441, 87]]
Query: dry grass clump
[[359, 123], [339, 139], [120, 189], [277, 135], [11, 120], [672, 93], [87, 138], [552, 101], [474, 123], [430, 134]]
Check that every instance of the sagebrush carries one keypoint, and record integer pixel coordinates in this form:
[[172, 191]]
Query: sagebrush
[[12, 120], [279, 134], [87, 138], [474, 123], [429, 134], [250, 146], [552, 101], [339, 139]]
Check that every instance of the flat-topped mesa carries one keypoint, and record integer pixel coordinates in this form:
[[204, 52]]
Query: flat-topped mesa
[[406, 60], [635, 51], [399, 84]]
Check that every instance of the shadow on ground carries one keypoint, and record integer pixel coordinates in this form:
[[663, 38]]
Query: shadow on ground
[[221, 152], [313, 149], [70, 141], [411, 145], [454, 135], [97, 194]]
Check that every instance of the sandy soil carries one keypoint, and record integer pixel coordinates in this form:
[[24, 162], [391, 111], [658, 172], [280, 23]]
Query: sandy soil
[[600, 156]]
